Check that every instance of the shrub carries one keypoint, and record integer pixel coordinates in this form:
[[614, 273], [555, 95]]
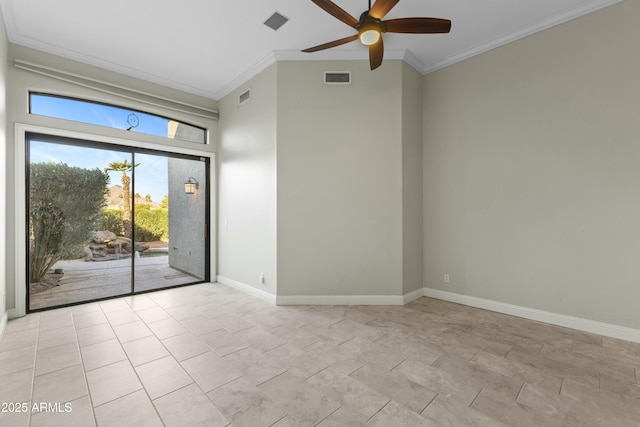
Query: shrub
[[151, 225], [64, 209]]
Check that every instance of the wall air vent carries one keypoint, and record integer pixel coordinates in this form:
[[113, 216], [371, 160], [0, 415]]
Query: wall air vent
[[337, 77], [244, 97], [276, 21]]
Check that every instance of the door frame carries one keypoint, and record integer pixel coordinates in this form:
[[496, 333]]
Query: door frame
[[20, 202]]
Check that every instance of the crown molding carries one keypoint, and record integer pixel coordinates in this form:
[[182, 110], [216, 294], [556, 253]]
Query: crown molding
[[245, 76]]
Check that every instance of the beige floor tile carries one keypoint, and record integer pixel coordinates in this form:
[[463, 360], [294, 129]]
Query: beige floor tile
[[286, 422], [18, 339], [113, 305], [140, 302], [122, 317], [23, 323], [439, 381], [506, 410], [144, 350], [395, 414], [301, 401], [352, 395], [395, 386], [167, 328], [600, 404], [54, 337], [255, 366], [259, 339], [295, 336], [134, 409], [75, 413], [184, 312], [102, 354], [200, 325], [479, 376], [223, 342], [189, 406], [302, 365], [132, 331], [58, 357], [555, 367], [85, 308], [245, 405], [443, 412], [16, 386], [89, 319], [153, 314], [112, 382], [95, 334], [383, 356], [185, 346], [338, 357], [14, 419], [233, 323], [344, 417], [162, 376], [64, 385], [210, 370], [520, 371], [17, 360], [55, 319]]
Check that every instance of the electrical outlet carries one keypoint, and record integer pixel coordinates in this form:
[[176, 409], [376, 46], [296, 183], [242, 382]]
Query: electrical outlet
[[261, 277], [446, 278]]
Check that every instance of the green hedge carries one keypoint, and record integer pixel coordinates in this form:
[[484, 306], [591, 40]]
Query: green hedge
[[150, 225]]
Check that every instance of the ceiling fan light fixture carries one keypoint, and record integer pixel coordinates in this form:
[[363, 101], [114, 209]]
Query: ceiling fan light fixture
[[369, 37]]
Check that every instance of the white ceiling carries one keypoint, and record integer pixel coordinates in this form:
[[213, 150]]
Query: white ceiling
[[209, 47]]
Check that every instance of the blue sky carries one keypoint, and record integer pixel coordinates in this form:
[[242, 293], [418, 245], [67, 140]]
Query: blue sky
[[97, 114], [151, 175]]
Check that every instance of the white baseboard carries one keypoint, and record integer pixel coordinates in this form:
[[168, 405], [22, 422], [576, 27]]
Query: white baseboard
[[411, 296], [247, 289], [585, 325], [3, 322], [339, 300]]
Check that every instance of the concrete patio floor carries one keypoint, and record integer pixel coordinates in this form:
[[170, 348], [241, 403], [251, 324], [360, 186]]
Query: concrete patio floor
[[85, 281]]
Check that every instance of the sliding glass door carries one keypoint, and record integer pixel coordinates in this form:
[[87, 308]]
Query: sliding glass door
[[172, 237], [106, 220]]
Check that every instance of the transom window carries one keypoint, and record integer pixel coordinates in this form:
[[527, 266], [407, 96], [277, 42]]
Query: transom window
[[95, 113]]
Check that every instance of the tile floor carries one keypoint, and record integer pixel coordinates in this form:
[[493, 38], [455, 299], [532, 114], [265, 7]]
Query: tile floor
[[208, 355]]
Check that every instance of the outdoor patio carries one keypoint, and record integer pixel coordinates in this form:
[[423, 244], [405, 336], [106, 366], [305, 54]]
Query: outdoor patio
[[84, 281]]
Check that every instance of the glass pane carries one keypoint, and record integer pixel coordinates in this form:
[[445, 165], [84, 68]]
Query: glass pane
[[169, 224], [113, 117], [79, 227]]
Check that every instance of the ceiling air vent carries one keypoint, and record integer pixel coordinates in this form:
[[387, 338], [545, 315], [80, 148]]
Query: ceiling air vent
[[276, 21], [337, 77], [244, 97]]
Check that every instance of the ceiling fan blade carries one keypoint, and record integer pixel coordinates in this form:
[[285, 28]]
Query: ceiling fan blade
[[417, 25], [332, 44], [337, 12], [381, 7], [376, 52]]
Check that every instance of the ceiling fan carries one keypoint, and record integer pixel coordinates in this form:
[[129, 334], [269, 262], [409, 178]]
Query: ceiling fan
[[370, 27]]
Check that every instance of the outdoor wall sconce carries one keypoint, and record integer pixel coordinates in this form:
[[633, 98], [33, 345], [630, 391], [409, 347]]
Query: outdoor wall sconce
[[190, 186]]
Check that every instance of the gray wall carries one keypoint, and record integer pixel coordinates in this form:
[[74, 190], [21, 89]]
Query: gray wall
[[412, 212], [3, 172], [247, 185], [339, 180], [187, 215], [531, 172]]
